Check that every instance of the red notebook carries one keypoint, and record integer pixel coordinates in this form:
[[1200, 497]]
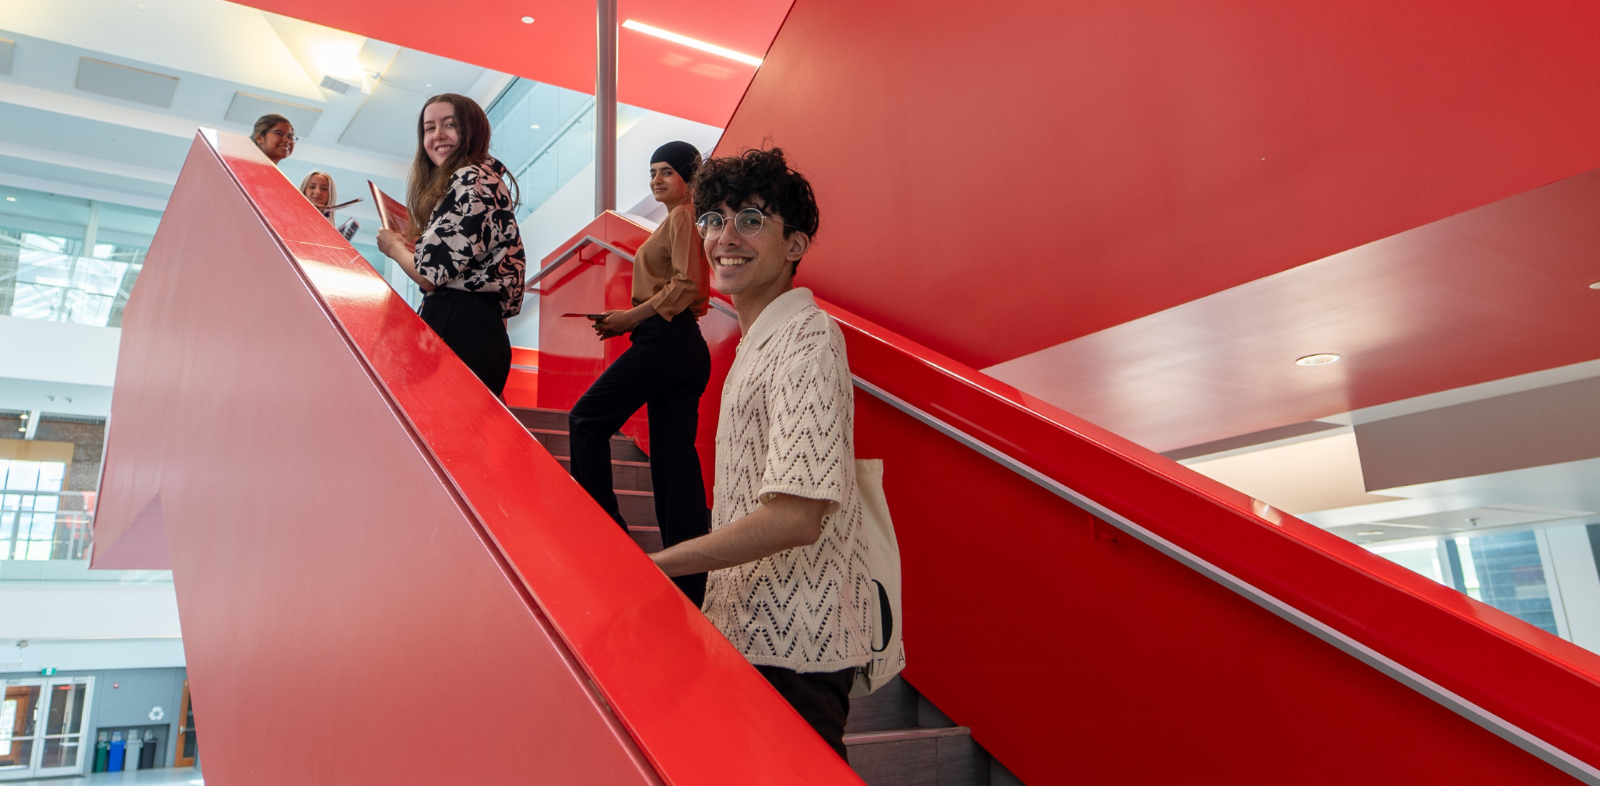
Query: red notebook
[[391, 214]]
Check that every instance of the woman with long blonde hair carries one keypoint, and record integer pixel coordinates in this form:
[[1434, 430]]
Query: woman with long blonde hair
[[468, 258], [320, 192]]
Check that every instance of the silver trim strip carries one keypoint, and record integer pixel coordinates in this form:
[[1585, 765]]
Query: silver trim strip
[[566, 256], [1552, 755]]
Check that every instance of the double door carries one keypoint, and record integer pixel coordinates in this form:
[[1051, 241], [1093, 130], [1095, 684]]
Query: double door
[[44, 727]]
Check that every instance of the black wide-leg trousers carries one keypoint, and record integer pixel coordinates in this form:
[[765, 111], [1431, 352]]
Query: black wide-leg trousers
[[471, 326], [666, 369]]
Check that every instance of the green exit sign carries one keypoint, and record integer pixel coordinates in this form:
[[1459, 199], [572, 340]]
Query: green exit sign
[[47, 672]]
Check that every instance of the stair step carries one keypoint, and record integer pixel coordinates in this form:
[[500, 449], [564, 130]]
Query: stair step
[[559, 444], [630, 475], [918, 757], [902, 735], [648, 538], [638, 508], [534, 417]]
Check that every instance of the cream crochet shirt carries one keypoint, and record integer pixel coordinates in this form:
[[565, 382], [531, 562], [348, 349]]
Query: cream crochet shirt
[[786, 427]]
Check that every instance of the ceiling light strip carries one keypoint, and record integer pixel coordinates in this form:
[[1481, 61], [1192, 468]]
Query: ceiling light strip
[[692, 43]]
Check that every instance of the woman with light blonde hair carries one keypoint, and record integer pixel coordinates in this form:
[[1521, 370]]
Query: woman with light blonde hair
[[319, 190]]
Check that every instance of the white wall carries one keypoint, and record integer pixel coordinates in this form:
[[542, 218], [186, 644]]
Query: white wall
[[58, 351], [1571, 561], [87, 609], [89, 625]]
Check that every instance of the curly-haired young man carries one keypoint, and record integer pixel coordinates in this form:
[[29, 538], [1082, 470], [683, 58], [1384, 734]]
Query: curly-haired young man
[[788, 558]]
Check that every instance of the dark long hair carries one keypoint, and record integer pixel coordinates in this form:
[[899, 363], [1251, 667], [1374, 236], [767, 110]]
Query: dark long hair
[[429, 182]]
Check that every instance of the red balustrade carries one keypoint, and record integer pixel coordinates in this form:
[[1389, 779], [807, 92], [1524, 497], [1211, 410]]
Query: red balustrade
[[381, 577]]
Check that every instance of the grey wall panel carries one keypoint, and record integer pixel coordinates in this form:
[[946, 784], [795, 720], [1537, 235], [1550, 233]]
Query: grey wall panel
[[128, 84], [1533, 428]]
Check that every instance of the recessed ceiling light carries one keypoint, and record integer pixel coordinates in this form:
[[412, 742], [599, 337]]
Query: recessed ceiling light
[[692, 43], [428, 84], [11, 199], [1319, 359], [534, 127], [1370, 532], [527, 20]]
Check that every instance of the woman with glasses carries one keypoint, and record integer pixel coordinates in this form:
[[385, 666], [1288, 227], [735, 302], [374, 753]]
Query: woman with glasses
[[274, 134], [468, 254], [665, 368]]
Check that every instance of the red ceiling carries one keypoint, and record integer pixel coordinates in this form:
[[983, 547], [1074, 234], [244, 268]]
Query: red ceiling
[[997, 179], [1496, 291], [559, 47]]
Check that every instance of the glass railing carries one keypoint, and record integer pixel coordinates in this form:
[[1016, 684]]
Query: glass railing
[[545, 135]]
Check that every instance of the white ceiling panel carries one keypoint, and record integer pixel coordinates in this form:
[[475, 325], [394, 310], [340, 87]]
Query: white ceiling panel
[[431, 74], [59, 177], [125, 83], [387, 122], [247, 108], [224, 40]]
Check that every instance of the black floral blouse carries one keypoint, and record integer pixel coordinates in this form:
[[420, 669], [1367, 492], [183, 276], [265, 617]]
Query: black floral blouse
[[472, 242]]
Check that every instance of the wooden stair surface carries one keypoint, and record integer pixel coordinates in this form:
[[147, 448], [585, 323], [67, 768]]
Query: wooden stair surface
[[895, 737]]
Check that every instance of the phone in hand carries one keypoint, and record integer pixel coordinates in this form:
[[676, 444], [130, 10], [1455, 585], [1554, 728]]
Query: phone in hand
[[586, 316]]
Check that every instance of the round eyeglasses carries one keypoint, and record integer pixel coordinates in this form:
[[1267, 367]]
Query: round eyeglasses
[[747, 222]]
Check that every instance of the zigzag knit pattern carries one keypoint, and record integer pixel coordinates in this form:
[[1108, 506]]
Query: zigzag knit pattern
[[786, 427]]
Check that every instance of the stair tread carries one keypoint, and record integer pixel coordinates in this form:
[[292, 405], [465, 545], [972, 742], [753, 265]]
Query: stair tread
[[564, 432], [900, 735], [622, 462]]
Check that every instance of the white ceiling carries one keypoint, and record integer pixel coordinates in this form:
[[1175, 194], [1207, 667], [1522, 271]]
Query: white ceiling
[[1318, 477], [62, 140]]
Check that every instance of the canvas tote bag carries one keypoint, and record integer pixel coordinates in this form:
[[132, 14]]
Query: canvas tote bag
[[883, 565]]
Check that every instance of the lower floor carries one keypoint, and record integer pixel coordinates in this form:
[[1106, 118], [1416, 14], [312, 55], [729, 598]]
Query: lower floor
[[180, 776]]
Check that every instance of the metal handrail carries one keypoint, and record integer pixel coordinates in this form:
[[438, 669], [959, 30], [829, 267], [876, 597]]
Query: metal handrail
[[588, 240]]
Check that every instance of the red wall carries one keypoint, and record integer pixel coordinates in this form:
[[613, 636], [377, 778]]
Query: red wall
[[1000, 177]]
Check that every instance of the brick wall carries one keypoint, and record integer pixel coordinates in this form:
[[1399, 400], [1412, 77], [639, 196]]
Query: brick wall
[[88, 439]]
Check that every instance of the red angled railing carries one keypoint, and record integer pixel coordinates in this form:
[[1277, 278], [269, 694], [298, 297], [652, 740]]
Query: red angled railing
[[381, 577]]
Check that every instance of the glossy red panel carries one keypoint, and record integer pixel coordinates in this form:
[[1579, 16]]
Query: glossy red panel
[[1492, 292], [995, 180], [559, 47], [348, 508], [1082, 660], [522, 386]]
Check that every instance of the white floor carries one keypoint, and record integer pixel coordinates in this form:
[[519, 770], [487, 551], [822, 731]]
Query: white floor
[[184, 776]]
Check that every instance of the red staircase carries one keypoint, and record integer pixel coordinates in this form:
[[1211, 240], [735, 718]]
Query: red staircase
[[348, 513]]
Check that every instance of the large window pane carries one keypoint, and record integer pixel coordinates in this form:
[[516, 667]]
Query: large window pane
[[50, 278]]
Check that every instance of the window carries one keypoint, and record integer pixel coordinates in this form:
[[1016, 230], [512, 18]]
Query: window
[[1504, 570], [51, 278], [37, 520]]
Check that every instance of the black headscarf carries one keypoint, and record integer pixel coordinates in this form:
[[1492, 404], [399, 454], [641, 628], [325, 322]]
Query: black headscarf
[[681, 156]]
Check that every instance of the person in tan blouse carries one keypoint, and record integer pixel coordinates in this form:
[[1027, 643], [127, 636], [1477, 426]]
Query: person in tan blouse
[[665, 369]]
